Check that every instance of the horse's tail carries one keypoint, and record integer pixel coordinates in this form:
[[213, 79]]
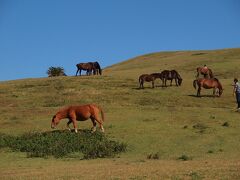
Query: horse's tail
[[195, 83], [210, 73]]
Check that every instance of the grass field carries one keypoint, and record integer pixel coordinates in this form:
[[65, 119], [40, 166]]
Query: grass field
[[170, 133]]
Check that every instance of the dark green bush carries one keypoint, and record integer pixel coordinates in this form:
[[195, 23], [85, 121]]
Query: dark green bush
[[61, 143]]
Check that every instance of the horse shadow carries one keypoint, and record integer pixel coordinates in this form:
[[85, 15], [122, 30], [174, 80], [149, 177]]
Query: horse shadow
[[203, 96]]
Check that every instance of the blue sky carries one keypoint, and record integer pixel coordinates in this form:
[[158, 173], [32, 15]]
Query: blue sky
[[37, 34]]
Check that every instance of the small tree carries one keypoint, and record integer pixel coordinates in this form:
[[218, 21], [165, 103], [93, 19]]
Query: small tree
[[55, 71]]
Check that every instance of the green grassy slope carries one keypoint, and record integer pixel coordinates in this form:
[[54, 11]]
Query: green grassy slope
[[169, 121]]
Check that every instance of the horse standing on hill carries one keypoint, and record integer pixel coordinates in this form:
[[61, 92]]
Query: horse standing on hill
[[79, 113], [205, 71], [147, 78], [208, 84], [84, 66], [90, 67], [97, 68], [170, 75]]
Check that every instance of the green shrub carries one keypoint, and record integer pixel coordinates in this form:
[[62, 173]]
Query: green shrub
[[185, 158], [61, 143], [226, 124]]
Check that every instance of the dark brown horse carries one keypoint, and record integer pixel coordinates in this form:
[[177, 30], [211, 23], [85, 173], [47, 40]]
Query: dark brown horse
[[170, 75], [147, 78], [205, 71], [97, 68], [84, 66], [90, 67], [79, 113], [208, 84]]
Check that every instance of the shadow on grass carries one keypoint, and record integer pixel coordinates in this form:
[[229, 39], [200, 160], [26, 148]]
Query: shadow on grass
[[203, 96]]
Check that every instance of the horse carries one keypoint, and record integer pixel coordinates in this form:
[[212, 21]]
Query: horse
[[206, 72], [97, 68], [170, 75], [79, 113], [208, 84], [145, 77], [84, 66]]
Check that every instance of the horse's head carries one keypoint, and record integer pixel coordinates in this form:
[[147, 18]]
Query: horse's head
[[179, 81], [55, 121]]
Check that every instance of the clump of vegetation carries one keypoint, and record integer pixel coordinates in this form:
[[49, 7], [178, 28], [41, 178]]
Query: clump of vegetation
[[184, 158], [55, 71], [62, 143], [226, 124], [153, 156], [210, 151], [200, 127]]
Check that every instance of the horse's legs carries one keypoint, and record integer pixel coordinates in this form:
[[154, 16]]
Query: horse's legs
[[80, 72], [176, 81], [69, 122], [99, 122], [153, 84], [77, 72], [141, 84], [171, 83], [94, 125], [74, 121], [198, 91]]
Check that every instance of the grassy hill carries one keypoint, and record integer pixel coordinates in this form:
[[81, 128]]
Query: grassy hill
[[170, 123]]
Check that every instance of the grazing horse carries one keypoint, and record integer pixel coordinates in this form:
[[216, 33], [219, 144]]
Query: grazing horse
[[97, 68], [79, 113], [84, 66], [206, 72], [208, 84], [170, 75], [147, 78]]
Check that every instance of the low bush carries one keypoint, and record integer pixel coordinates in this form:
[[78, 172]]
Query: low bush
[[61, 143]]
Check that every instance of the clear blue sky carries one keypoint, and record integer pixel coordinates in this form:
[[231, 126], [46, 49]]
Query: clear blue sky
[[37, 34]]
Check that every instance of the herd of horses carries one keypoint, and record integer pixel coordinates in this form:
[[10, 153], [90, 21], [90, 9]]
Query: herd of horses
[[91, 111], [164, 76], [208, 81]]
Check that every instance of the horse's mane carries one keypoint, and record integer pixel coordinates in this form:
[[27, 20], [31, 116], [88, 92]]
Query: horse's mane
[[216, 79]]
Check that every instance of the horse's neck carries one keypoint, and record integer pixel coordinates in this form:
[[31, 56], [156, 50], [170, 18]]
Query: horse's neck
[[62, 114]]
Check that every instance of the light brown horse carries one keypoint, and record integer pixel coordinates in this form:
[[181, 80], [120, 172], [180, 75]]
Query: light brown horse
[[79, 113], [148, 78], [206, 72], [208, 84]]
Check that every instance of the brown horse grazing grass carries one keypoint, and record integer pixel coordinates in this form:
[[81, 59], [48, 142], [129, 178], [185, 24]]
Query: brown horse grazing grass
[[147, 78], [79, 113], [90, 67], [170, 75], [208, 84], [84, 66], [206, 72]]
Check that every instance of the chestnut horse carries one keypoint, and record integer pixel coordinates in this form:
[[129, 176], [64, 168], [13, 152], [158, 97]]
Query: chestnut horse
[[206, 72], [208, 84], [79, 113], [148, 78]]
